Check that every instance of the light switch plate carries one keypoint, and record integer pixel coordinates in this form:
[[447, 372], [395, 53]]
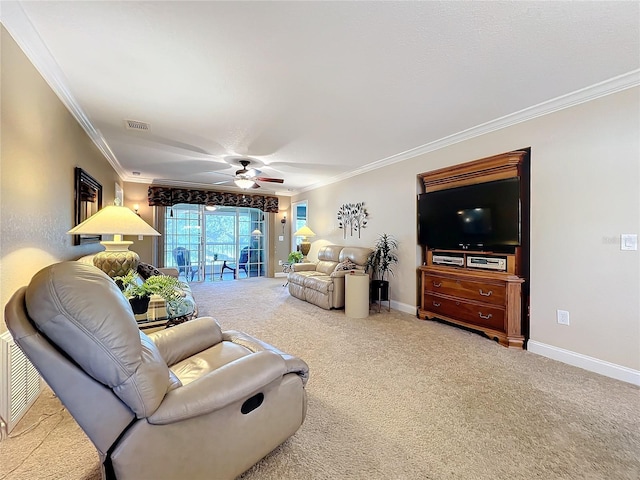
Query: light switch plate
[[281, 238], [629, 241]]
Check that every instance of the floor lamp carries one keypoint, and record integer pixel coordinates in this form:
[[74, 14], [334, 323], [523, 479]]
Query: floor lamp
[[116, 259]]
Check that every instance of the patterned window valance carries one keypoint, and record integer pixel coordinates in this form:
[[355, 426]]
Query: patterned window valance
[[169, 196]]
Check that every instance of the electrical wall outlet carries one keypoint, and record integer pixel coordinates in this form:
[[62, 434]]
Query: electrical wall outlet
[[563, 317]]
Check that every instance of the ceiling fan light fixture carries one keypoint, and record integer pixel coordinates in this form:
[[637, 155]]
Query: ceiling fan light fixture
[[243, 183]]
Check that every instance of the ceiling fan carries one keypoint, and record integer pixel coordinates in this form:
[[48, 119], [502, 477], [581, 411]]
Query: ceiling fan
[[248, 178]]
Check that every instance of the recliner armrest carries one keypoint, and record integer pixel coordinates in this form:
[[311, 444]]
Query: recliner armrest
[[341, 273], [186, 339], [235, 381], [294, 364]]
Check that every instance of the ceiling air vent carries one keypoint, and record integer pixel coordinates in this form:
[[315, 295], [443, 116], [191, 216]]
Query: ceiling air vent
[[135, 125]]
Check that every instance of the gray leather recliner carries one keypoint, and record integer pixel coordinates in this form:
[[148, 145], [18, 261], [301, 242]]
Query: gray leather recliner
[[190, 402]]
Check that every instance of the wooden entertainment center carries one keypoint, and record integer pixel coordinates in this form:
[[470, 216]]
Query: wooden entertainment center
[[482, 299]]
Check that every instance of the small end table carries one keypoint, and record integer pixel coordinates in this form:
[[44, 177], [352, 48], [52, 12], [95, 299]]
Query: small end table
[[157, 317], [356, 300], [286, 268]]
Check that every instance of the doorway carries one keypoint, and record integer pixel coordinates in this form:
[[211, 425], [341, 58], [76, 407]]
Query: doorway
[[300, 214]]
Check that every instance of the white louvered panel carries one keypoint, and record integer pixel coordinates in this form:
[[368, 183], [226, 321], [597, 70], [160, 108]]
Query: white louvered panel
[[34, 386], [19, 383]]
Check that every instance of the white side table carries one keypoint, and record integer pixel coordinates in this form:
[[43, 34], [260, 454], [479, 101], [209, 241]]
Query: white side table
[[356, 301]]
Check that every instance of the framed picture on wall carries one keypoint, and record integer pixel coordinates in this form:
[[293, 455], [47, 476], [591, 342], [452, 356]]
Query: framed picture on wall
[[119, 198], [88, 193]]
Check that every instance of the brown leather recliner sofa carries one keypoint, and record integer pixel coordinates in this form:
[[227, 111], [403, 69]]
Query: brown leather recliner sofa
[[190, 401], [323, 283]]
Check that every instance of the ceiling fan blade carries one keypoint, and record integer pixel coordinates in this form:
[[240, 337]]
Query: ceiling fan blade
[[267, 179]]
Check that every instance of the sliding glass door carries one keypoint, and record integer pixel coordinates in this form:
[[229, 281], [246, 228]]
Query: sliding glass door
[[182, 240], [221, 244]]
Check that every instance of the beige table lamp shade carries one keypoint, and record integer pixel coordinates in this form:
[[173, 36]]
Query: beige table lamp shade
[[115, 220]]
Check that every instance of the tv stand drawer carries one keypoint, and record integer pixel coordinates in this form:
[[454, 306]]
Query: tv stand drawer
[[479, 291], [473, 313]]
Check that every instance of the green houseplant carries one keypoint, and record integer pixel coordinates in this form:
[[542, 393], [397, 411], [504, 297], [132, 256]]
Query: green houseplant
[[169, 288], [380, 262], [134, 289], [295, 257], [139, 291]]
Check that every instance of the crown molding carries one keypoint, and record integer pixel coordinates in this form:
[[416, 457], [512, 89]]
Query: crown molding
[[587, 94], [17, 23]]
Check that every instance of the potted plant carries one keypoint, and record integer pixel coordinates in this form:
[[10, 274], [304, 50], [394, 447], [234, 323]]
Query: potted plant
[[169, 288], [380, 262], [139, 291], [134, 289], [295, 257]]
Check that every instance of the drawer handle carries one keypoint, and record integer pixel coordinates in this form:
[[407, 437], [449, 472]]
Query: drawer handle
[[436, 304], [486, 317], [437, 284], [485, 294]]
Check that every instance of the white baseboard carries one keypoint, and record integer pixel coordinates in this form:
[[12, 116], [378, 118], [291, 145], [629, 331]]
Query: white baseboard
[[403, 307], [601, 367], [280, 274]]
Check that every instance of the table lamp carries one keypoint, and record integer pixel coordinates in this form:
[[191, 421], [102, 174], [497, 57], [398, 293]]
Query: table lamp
[[304, 232], [116, 259]]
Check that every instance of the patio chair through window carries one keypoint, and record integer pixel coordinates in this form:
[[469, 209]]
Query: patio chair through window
[[182, 257], [242, 264]]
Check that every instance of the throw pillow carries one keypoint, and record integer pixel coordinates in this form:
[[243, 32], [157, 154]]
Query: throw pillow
[[346, 265], [145, 270]]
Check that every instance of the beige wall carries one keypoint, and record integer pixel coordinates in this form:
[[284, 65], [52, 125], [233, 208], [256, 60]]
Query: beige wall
[[585, 184], [136, 193], [280, 249], [41, 145]]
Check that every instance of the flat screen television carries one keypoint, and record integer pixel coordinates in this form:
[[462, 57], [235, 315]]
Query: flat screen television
[[484, 216]]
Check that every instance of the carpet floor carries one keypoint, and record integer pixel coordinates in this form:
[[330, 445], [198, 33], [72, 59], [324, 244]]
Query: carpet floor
[[391, 397]]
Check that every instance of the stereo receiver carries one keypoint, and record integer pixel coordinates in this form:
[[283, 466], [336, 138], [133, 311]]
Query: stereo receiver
[[448, 260], [491, 263]]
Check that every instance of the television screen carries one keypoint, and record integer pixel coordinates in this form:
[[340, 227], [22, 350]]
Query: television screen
[[481, 216], [475, 221]]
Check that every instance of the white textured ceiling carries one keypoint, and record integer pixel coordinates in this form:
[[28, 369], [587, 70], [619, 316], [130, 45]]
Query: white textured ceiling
[[311, 91]]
